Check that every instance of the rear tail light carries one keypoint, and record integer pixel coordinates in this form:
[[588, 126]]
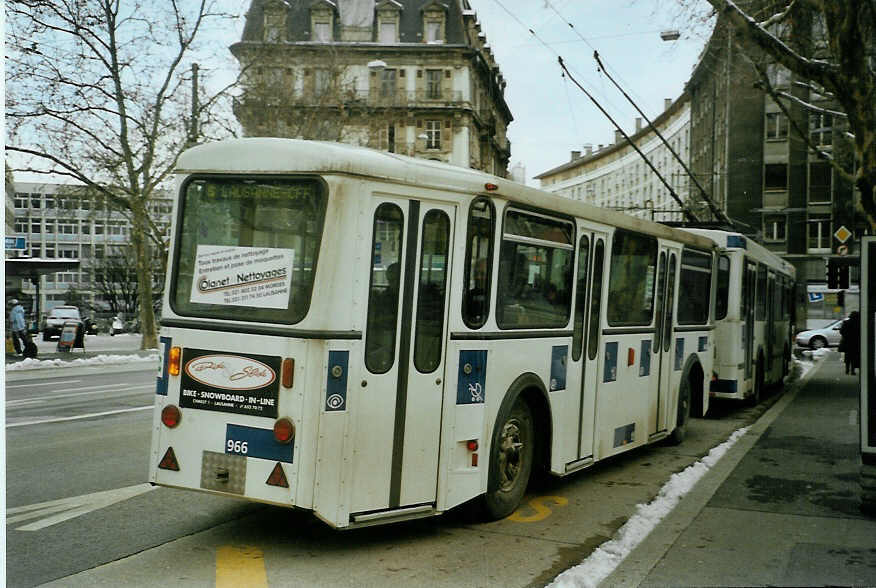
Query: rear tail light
[[284, 430], [173, 361], [170, 416]]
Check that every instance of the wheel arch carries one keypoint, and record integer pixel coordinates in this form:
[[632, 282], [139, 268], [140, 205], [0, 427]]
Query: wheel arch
[[532, 389], [694, 374]]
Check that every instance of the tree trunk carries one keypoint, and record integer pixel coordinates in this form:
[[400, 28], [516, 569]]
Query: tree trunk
[[142, 248]]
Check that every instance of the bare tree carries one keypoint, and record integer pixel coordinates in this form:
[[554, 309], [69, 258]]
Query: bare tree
[[839, 71], [116, 280], [97, 91]]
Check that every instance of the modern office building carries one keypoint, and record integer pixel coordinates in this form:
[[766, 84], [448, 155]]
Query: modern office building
[[616, 176], [59, 222], [407, 76]]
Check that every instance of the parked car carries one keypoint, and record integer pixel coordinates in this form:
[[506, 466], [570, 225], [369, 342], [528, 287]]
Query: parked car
[[54, 322], [828, 336]]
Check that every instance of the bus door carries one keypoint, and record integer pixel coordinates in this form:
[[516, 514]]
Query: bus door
[[662, 356], [585, 341], [398, 425], [749, 279], [770, 342]]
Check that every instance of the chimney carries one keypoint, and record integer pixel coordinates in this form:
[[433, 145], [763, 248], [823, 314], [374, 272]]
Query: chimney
[[638, 124], [575, 155], [588, 150], [667, 102], [618, 137]]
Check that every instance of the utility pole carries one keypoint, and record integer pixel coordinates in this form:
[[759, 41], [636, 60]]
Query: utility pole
[[193, 125]]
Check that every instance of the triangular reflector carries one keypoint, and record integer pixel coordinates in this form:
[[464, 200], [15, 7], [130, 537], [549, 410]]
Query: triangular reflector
[[168, 462], [277, 477]]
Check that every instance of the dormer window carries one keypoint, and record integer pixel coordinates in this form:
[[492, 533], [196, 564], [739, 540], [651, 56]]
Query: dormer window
[[434, 19], [322, 20], [388, 17], [275, 22]]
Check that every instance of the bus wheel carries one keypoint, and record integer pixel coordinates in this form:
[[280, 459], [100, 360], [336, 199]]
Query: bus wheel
[[754, 399], [680, 432], [511, 457]]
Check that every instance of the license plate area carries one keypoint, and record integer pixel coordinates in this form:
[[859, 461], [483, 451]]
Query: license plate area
[[223, 472]]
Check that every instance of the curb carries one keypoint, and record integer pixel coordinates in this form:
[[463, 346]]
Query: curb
[[634, 569]]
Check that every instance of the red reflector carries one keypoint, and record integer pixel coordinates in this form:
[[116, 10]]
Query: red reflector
[[168, 462], [284, 430], [277, 477], [288, 372], [472, 445], [490, 187], [474, 460], [170, 416], [631, 356]]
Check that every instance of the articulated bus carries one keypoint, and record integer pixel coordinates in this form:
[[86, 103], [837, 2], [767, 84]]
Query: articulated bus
[[376, 338], [754, 317]]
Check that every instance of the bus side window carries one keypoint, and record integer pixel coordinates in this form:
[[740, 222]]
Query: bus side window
[[478, 263], [694, 293], [580, 298], [670, 304], [595, 300], [432, 290], [380, 332], [723, 293], [631, 279]]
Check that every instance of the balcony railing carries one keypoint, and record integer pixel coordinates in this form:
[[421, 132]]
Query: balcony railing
[[353, 98]]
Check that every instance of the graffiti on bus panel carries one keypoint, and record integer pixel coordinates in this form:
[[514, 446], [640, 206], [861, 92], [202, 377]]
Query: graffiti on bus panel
[[243, 276]]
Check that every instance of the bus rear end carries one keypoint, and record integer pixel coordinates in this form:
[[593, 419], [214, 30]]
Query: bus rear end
[[238, 352]]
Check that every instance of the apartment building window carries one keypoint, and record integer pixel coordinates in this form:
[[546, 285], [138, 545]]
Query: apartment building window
[[774, 228], [388, 34], [275, 25], [50, 202], [433, 23], [433, 134], [68, 228], [322, 32], [99, 251], [86, 227], [776, 126], [820, 182], [388, 83], [20, 224], [35, 201], [50, 226], [433, 84], [36, 226], [20, 200], [818, 232], [35, 250], [321, 81], [68, 252], [821, 129], [775, 176], [50, 250]]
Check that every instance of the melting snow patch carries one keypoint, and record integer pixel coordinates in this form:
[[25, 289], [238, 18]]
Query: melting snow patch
[[31, 364], [603, 561]]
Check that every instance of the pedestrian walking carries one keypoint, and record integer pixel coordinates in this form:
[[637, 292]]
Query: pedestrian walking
[[17, 325], [850, 343]]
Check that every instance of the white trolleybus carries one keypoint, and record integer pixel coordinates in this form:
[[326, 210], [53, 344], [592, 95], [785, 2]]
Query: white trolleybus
[[754, 317], [376, 338]]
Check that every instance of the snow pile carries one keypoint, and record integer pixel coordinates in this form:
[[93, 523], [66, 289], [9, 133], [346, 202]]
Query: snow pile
[[33, 364], [603, 561]]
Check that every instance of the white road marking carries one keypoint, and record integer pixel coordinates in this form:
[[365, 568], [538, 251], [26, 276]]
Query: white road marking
[[8, 386], [37, 399], [68, 508], [77, 417]]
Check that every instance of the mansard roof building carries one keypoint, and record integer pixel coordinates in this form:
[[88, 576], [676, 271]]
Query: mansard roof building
[[415, 77]]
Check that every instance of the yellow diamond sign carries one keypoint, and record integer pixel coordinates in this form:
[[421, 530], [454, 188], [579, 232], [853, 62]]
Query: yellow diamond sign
[[842, 234]]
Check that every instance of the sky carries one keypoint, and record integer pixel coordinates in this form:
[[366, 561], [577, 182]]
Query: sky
[[552, 117]]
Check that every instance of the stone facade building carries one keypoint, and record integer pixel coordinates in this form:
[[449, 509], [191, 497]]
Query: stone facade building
[[415, 77]]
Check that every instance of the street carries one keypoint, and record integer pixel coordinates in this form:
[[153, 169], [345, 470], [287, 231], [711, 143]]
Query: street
[[76, 500]]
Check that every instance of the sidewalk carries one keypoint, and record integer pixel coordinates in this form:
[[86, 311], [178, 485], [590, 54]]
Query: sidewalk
[[781, 507], [95, 345]]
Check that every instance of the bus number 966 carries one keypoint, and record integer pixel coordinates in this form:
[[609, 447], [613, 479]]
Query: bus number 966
[[238, 447]]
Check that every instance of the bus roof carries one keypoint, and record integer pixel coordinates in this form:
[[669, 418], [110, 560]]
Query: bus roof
[[280, 156], [731, 241]]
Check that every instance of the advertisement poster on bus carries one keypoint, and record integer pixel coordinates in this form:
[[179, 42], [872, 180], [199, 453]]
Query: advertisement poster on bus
[[243, 276]]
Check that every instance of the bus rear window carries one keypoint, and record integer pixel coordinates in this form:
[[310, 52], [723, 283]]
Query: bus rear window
[[248, 243]]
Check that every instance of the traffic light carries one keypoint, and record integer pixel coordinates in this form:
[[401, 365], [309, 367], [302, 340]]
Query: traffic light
[[838, 273]]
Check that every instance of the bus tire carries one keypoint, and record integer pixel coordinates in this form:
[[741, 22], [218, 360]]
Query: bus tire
[[757, 393], [512, 452], [683, 407]]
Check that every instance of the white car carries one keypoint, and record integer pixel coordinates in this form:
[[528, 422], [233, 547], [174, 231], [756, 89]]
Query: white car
[[828, 336]]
